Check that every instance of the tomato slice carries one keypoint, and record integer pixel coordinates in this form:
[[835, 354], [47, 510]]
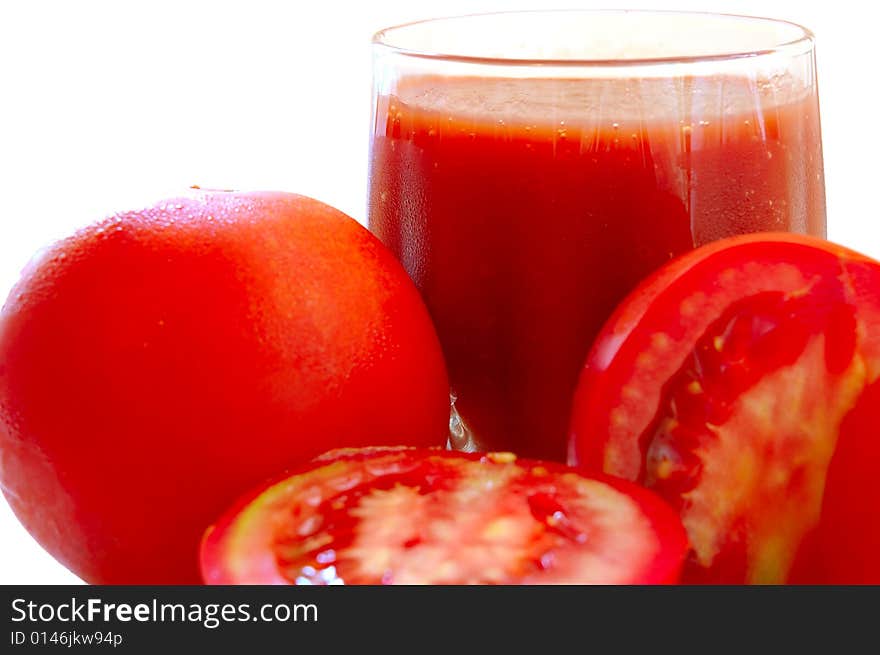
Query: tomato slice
[[421, 516], [727, 383]]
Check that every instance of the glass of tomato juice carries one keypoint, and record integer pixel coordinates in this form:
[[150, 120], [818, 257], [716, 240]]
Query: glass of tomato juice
[[530, 168]]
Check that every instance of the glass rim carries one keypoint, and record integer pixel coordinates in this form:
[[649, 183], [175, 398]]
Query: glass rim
[[803, 42]]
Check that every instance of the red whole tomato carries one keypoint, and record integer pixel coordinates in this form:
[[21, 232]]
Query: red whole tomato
[[158, 363], [741, 384], [418, 516]]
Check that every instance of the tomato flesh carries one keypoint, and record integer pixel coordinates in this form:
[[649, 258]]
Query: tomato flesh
[[409, 516], [726, 385]]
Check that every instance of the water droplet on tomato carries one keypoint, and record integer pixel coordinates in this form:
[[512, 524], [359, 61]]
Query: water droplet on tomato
[[326, 557]]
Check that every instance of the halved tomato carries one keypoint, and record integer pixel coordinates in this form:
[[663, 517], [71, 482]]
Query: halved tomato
[[730, 383], [421, 516]]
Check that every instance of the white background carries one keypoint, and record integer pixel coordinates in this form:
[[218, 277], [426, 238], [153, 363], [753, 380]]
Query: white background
[[110, 105]]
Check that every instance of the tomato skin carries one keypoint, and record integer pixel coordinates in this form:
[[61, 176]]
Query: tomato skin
[[242, 546], [628, 375], [156, 364], [843, 548], [667, 568]]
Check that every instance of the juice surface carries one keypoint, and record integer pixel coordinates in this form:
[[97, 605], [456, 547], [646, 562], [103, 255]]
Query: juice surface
[[525, 209]]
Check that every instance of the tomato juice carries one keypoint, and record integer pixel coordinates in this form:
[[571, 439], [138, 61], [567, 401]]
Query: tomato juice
[[525, 209]]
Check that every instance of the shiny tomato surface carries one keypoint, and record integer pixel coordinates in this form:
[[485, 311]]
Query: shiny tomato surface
[[159, 363], [740, 383]]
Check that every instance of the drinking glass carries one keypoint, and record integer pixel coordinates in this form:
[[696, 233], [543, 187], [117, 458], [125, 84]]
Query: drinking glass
[[530, 168]]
